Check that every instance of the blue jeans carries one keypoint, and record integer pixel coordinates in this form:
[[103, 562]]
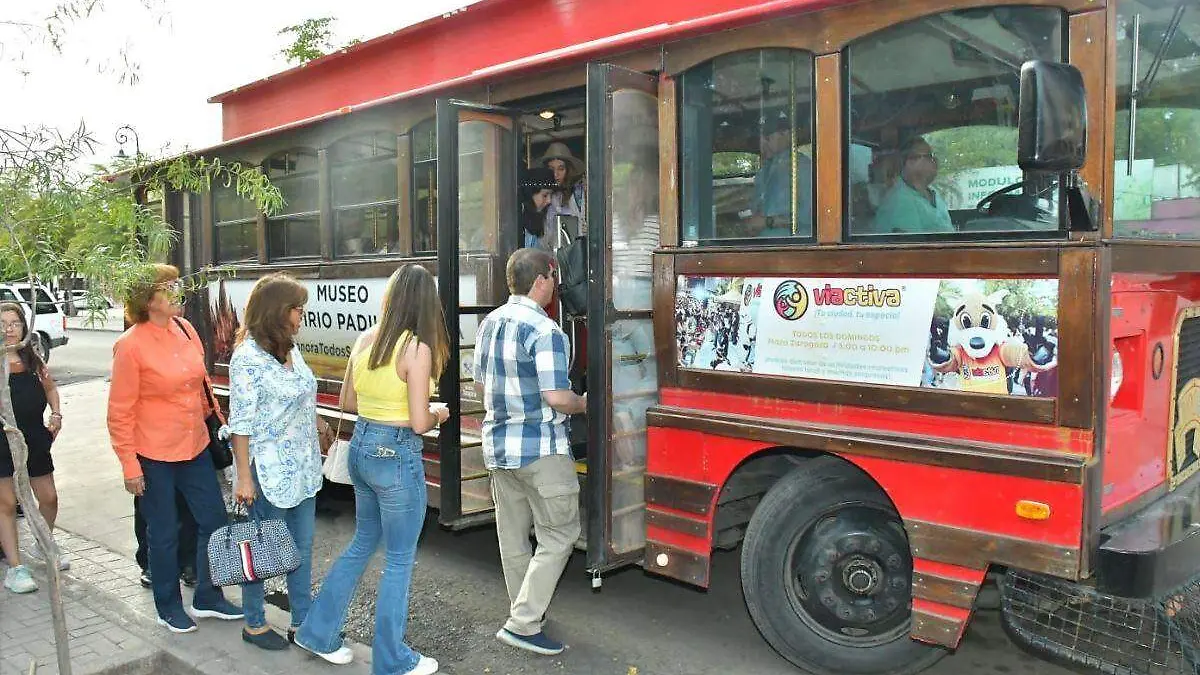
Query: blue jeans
[[196, 480], [301, 522], [389, 490]]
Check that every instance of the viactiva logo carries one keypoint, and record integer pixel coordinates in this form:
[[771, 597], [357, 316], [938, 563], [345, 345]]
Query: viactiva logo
[[857, 296], [792, 298]]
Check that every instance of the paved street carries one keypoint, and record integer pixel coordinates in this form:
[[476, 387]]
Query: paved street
[[87, 355], [636, 621]]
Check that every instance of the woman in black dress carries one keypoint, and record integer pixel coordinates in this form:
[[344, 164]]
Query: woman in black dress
[[32, 391]]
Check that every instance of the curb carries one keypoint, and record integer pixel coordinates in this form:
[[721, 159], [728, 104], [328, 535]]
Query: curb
[[95, 329], [122, 664]]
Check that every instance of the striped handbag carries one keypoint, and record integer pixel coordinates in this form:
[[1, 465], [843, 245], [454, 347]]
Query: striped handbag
[[244, 551]]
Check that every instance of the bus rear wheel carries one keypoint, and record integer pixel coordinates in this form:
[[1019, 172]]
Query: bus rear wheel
[[827, 575]]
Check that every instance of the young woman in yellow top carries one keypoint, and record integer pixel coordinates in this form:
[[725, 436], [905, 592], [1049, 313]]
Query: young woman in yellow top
[[387, 383]]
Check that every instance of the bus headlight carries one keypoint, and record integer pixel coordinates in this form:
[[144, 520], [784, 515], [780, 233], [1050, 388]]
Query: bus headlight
[[1117, 376]]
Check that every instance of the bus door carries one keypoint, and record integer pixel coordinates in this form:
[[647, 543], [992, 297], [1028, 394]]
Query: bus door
[[476, 232], [622, 213]]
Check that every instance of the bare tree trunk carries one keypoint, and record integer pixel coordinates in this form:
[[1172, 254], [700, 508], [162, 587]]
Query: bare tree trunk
[[67, 283], [37, 524]]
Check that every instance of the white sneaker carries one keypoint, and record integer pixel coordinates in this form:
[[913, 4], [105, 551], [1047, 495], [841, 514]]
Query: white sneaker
[[339, 657], [19, 580], [64, 560], [426, 666]]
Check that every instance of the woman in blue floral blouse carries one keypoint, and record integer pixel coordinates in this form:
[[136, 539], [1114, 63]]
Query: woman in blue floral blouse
[[274, 425]]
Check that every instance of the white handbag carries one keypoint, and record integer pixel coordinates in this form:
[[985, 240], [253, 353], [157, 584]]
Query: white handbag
[[336, 468]]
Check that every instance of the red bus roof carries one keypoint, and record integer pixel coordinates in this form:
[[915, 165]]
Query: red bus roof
[[479, 43]]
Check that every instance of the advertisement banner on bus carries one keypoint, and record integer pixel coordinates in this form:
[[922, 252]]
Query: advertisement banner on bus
[[997, 336], [336, 312]]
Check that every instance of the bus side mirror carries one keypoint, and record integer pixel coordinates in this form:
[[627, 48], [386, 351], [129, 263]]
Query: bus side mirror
[[1052, 122]]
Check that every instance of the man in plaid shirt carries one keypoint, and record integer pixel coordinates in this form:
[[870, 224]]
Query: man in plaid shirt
[[520, 374]]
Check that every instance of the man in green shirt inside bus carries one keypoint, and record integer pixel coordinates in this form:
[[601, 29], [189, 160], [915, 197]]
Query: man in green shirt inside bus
[[912, 206]]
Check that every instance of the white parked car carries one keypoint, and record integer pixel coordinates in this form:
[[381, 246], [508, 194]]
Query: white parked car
[[80, 304], [50, 326]]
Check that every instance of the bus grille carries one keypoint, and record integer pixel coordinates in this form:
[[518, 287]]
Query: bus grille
[[1078, 627], [1185, 401]]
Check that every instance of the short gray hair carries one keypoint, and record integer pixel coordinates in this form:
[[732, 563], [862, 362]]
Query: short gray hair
[[524, 266]]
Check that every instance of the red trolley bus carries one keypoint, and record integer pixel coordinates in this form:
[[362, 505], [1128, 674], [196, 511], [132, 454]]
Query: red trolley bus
[[831, 249]]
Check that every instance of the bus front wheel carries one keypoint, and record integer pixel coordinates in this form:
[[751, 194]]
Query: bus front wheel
[[827, 574]]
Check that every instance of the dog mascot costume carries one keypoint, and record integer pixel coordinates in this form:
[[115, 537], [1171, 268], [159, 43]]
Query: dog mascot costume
[[980, 348]]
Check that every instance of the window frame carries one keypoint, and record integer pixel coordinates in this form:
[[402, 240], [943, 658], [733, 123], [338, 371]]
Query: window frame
[[336, 208], [414, 163], [280, 218], [744, 242], [236, 222], [1060, 232]]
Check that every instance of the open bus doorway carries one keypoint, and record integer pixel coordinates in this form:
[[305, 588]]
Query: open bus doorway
[[554, 144], [603, 240], [604, 250]]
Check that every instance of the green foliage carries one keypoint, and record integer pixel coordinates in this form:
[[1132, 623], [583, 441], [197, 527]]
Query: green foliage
[[727, 164], [1167, 135], [311, 39], [973, 147], [1022, 300], [56, 222], [48, 29]]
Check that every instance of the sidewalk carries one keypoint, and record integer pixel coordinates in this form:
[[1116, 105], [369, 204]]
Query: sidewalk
[[111, 621], [112, 321], [110, 617]]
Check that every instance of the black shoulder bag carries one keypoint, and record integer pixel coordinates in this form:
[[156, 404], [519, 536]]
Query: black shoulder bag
[[222, 454]]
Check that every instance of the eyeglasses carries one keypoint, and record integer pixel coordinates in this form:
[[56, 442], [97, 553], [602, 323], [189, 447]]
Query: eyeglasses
[[924, 155], [9, 325]]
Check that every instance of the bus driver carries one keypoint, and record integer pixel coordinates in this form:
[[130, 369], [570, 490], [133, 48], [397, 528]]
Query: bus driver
[[912, 205]]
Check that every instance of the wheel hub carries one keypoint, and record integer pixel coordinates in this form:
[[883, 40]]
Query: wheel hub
[[862, 576], [851, 576]]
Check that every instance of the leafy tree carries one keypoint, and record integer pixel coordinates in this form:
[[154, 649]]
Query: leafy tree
[[311, 39], [727, 164], [56, 219], [973, 147], [1167, 135]]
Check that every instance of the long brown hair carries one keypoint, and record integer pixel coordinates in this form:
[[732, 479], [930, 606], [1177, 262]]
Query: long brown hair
[[29, 358], [410, 303], [573, 177], [267, 322]]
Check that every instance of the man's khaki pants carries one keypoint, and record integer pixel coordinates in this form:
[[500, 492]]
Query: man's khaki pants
[[544, 495]]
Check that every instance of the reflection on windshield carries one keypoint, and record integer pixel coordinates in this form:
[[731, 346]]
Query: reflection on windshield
[[934, 124]]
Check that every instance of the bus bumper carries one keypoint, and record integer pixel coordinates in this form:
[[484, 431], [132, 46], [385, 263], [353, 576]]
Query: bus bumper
[[1141, 612]]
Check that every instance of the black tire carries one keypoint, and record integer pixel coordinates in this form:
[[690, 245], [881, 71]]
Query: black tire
[[827, 575], [41, 346]]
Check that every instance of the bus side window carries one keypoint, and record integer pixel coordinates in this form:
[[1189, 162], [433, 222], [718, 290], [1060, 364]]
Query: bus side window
[[747, 149], [296, 231]]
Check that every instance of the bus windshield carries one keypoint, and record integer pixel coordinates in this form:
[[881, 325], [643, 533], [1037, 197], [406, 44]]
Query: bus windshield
[[933, 125]]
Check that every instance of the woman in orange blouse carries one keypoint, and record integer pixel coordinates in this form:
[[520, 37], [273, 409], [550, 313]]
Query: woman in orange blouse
[[156, 411]]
